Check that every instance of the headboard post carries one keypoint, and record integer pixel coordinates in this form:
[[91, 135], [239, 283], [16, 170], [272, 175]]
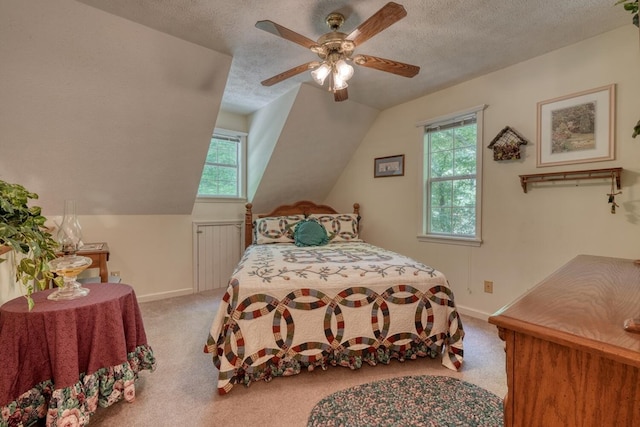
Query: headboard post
[[248, 225]]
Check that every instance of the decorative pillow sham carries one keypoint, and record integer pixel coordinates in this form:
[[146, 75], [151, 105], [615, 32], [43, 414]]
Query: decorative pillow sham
[[340, 227], [310, 233], [275, 229]]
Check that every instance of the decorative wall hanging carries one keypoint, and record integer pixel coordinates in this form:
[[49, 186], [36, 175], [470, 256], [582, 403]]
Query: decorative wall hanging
[[613, 194], [577, 128], [388, 166], [506, 145]]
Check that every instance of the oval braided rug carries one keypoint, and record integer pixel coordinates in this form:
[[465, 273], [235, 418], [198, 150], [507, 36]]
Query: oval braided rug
[[410, 401]]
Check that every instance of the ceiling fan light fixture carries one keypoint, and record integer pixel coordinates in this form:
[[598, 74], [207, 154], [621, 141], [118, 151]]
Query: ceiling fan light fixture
[[338, 82], [336, 49], [344, 70], [321, 73]]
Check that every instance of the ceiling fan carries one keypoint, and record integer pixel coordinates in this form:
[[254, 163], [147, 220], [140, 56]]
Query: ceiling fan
[[335, 50]]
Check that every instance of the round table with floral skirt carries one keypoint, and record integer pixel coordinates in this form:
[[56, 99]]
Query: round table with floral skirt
[[64, 358]]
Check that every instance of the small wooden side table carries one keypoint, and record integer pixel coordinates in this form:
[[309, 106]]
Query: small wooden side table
[[99, 254]]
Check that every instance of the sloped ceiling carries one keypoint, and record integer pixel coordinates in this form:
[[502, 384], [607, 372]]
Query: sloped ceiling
[[317, 141], [118, 115], [99, 109], [452, 41]]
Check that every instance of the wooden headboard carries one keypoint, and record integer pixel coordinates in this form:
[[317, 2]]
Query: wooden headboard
[[304, 207]]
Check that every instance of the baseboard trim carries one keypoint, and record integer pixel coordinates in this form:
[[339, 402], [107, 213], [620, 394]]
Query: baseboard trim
[[164, 295], [473, 313]]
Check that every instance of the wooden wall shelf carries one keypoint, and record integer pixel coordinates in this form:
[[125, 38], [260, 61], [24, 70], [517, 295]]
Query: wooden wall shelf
[[572, 175]]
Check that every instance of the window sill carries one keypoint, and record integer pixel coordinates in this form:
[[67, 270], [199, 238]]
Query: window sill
[[450, 240]]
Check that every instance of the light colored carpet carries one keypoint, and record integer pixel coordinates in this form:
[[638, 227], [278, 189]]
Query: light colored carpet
[[182, 390]]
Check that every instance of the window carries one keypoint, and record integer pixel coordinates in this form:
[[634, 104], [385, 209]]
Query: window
[[452, 177], [224, 170]]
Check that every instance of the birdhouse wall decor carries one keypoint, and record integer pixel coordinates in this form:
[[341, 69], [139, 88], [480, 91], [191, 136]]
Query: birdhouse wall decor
[[506, 145]]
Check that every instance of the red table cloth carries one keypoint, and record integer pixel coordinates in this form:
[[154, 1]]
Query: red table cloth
[[55, 359]]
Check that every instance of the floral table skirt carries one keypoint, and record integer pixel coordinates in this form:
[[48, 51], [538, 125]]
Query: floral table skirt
[[73, 406]]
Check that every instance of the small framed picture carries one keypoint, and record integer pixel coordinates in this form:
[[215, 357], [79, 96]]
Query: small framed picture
[[577, 128], [388, 166]]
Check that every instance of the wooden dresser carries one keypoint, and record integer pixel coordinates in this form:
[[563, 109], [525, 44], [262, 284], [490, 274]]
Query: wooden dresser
[[569, 360]]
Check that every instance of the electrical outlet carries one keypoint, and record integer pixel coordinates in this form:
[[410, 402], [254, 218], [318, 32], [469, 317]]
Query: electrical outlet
[[488, 286]]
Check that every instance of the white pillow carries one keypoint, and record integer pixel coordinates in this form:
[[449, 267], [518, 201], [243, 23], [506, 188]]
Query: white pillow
[[275, 229], [340, 227]]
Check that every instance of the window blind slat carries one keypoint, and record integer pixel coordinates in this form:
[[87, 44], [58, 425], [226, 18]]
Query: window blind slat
[[226, 138], [450, 124]]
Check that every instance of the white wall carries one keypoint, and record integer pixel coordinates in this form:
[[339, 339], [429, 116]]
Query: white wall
[[123, 104], [526, 236], [9, 289], [153, 253], [100, 109]]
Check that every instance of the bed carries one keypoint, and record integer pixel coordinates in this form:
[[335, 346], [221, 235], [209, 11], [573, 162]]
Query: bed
[[292, 305]]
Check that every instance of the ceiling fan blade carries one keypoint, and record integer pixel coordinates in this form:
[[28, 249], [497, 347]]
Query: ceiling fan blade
[[289, 73], [384, 18], [340, 95], [395, 67], [285, 33]]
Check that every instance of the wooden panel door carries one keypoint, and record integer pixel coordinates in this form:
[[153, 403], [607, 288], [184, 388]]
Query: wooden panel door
[[218, 252]]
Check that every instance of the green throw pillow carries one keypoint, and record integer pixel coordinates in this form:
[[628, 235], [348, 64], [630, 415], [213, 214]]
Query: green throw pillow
[[310, 233]]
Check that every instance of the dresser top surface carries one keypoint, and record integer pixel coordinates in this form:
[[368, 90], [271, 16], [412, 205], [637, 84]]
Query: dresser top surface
[[587, 301]]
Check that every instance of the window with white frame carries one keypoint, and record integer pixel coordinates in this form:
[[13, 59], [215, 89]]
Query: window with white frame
[[224, 168], [452, 178]]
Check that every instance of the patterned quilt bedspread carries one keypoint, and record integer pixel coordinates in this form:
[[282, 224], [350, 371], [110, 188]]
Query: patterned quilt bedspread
[[288, 308]]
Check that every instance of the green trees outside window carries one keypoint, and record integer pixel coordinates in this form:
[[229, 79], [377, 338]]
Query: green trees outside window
[[452, 177], [222, 172], [452, 183]]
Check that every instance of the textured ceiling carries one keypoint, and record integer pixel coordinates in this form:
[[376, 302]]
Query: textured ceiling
[[451, 41]]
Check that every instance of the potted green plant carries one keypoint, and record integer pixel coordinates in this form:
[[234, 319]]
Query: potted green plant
[[632, 7], [22, 230]]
